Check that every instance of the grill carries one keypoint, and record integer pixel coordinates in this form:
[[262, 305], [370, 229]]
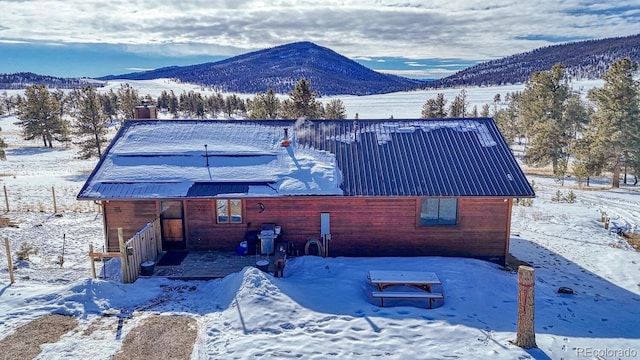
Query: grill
[[267, 237]]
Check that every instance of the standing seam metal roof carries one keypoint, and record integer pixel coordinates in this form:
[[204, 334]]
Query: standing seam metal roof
[[437, 157]]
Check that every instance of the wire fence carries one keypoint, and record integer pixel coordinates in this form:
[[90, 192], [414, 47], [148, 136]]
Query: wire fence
[[44, 199]]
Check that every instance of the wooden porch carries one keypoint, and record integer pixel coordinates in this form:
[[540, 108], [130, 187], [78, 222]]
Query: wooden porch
[[205, 265]]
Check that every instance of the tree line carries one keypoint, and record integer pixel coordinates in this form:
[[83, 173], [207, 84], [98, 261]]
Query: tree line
[[582, 137], [83, 116]]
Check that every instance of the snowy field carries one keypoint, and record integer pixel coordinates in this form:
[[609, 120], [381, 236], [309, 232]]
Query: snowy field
[[321, 308]]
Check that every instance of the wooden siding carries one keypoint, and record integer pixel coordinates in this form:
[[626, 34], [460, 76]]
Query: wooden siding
[[360, 226], [203, 233], [388, 227], [131, 216]]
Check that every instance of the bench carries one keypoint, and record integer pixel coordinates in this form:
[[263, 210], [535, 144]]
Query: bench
[[407, 295]]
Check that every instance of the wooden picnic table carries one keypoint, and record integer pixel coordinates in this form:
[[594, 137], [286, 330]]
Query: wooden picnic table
[[423, 280], [420, 279]]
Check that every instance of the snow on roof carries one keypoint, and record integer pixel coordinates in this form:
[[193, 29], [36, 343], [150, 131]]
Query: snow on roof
[[208, 158], [164, 159]]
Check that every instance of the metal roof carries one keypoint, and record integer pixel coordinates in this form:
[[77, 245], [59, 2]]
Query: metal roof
[[210, 189], [437, 157]]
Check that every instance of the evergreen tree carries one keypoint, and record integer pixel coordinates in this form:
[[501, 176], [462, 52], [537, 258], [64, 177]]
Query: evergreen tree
[[3, 145], [197, 105], [303, 103], [3, 103], [128, 99], [90, 123], [486, 111], [435, 108], [474, 111], [172, 104], [265, 106], [459, 105], [613, 132], [335, 109], [109, 103], [542, 108], [63, 100], [163, 100], [232, 104], [40, 117]]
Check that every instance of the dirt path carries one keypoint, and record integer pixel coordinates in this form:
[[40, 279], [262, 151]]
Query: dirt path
[[160, 337], [25, 342]]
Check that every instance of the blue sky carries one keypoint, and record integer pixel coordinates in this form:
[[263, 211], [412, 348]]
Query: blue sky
[[419, 39]]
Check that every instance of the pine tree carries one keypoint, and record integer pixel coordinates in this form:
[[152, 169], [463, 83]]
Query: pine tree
[[172, 104], [486, 111], [109, 103], [507, 121], [128, 99], [3, 102], [613, 132], [90, 123], [435, 108], [542, 107], [3, 145], [459, 105], [265, 106], [303, 103], [39, 116], [335, 109], [163, 100]]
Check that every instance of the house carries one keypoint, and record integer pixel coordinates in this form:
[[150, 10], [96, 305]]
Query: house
[[362, 188]]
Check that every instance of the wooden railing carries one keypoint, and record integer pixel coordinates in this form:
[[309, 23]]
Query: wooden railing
[[145, 245]]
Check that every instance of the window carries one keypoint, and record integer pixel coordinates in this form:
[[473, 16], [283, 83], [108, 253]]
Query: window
[[229, 211], [171, 209], [438, 212]]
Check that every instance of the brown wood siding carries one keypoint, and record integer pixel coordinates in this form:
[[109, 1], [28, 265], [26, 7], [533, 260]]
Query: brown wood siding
[[387, 226], [131, 216], [203, 233], [360, 226]]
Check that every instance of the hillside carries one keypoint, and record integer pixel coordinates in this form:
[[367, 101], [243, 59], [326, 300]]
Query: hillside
[[584, 60], [279, 68], [24, 79]]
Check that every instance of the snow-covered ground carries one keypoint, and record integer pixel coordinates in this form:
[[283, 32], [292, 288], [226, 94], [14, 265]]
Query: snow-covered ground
[[321, 308]]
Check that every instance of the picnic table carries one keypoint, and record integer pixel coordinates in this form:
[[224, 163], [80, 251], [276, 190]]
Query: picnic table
[[422, 280]]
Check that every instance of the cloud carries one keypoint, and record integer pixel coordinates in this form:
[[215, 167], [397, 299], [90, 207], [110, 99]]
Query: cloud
[[465, 29], [136, 69]]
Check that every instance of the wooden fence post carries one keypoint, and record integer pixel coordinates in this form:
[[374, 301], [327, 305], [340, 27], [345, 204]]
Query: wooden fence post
[[526, 336], [55, 206], [93, 262], [6, 245], [124, 261], [6, 198]]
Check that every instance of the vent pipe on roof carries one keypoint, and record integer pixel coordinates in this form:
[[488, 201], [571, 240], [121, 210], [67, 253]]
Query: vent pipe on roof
[[206, 154], [285, 141]]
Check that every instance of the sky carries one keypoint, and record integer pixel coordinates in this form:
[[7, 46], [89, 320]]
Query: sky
[[412, 38]]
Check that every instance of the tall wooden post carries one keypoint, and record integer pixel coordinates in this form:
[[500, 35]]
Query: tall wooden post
[[124, 260], [92, 261], [526, 336], [55, 206], [6, 245], [6, 198]]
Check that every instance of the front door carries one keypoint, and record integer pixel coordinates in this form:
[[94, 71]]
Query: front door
[[171, 219]]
